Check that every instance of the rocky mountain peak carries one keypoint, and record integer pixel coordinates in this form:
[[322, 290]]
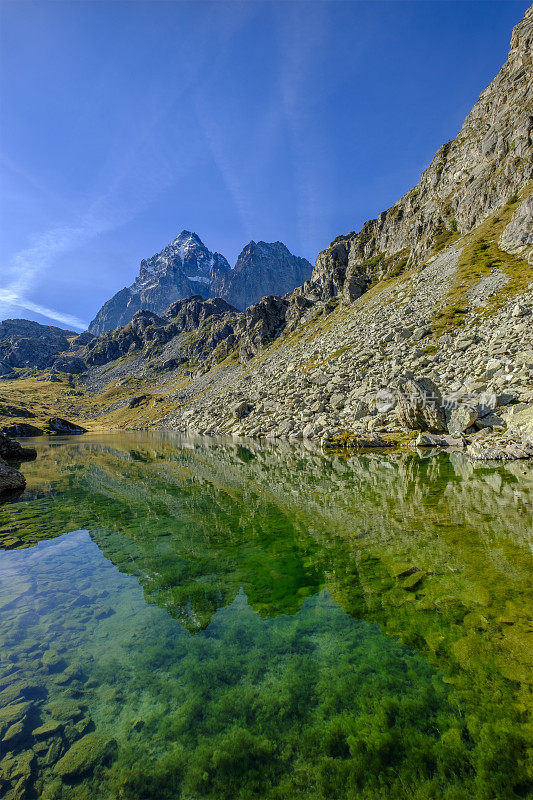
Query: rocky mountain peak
[[262, 268], [181, 269], [185, 267]]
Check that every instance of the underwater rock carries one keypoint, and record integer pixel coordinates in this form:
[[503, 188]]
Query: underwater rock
[[11, 714], [48, 729], [86, 754], [65, 709], [13, 733]]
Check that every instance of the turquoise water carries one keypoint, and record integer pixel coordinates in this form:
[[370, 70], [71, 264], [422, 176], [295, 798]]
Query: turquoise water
[[204, 619]]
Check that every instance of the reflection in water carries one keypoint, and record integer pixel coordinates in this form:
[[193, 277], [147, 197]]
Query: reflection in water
[[214, 635]]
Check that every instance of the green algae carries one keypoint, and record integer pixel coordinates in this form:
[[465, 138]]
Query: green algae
[[306, 625]]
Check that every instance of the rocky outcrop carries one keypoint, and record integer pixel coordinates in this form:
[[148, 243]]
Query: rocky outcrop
[[25, 344], [64, 427], [11, 480], [197, 330], [21, 429], [13, 451], [517, 237], [182, 269], [150, 333], [470, 177], [262, 269]]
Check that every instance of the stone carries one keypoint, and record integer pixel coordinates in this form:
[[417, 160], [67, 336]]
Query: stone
[[489, 421], [521, 422], [419, 406], [337, 401], [48, 729], [430, 440], [242, 410], [13, 733], [87, 753], [461, 418], [11, 714], [64, 427]]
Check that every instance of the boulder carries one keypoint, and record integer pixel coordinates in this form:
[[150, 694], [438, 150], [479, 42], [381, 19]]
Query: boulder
[[58, 425], [87, 753], [461, 418], [21, 429], [13, 451], [242, 410], [419, 406], [521, 422], [430, 440]]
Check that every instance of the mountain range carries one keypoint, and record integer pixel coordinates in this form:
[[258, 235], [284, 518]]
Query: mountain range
[[432, 300], [185, 267]]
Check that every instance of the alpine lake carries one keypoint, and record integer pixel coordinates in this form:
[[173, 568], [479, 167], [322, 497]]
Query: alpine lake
[[205, 618]]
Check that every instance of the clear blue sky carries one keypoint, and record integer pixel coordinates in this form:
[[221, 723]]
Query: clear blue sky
[[125, 122]]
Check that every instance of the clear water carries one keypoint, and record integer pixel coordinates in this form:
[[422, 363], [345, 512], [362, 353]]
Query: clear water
[[202, 619]]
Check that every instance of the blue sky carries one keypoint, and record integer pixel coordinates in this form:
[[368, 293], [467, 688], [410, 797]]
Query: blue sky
[[125, 122]]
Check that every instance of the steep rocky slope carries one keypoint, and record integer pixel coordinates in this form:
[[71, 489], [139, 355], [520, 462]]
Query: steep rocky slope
[[469, 178], [261, 269]]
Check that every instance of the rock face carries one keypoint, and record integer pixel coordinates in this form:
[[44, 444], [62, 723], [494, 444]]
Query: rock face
[[183, 268], [469, 178], [29, 344], [261, 269]]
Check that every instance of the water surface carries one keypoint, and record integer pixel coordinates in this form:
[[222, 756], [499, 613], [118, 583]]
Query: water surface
[[205, 619]]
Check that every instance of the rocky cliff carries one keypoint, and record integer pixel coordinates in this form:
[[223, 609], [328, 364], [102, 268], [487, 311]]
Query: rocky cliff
[[261, 269]]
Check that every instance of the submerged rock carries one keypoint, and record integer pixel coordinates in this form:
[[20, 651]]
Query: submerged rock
[[87, 753]]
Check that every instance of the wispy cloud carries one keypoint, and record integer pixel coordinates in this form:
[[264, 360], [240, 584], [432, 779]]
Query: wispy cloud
[[10, 300], [32, 261]]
